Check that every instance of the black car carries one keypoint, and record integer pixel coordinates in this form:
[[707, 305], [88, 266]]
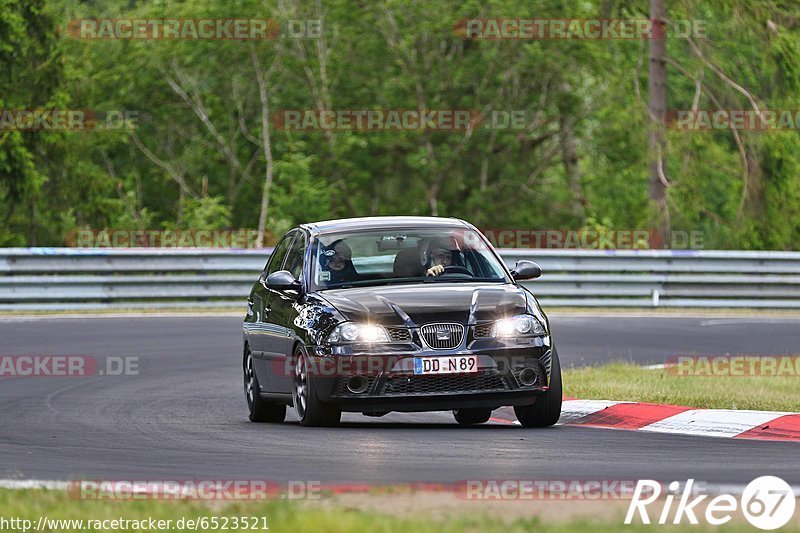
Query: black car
[[382, 314]]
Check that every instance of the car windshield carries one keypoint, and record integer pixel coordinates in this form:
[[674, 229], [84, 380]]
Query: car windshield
[[402, 256]]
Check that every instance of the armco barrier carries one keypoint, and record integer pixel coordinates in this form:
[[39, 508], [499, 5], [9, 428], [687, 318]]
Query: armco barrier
[[69, 278]]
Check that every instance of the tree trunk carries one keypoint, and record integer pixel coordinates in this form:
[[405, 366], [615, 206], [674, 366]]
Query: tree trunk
[[569, 157], [657, 104], [32, 227], [265, 137]]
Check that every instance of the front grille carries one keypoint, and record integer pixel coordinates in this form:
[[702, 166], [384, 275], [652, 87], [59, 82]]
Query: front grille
[[442, 384], [442, 336], [483, 330], [399, 334]]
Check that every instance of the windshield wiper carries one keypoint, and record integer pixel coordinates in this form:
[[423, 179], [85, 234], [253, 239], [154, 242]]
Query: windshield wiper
[[406, 281], [373, 283], [442, 279]]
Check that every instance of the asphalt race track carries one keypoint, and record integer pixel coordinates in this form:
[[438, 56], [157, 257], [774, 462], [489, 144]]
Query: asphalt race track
[[184, 417]]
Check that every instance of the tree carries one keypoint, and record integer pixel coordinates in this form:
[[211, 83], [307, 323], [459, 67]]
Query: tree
[[657, 106]]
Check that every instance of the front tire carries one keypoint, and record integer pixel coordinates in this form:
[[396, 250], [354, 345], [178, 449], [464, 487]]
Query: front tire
[[547, 409], [472, 416], [310, 410], [259, 409]]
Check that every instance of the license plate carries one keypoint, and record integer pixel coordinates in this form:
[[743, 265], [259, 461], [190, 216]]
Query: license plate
[[455, 364]]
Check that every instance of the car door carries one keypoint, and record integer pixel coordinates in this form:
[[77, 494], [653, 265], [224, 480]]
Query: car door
[[284, 311], [268, 338]]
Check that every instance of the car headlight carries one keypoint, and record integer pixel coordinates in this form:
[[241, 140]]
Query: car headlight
[[518, 325], [354, 332]]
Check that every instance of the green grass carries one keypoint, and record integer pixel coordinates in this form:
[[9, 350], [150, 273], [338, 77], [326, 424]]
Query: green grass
[[298, 516], [629, 382]]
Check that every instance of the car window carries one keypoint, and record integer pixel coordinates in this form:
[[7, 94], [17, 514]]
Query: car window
[[279, 253], [401, 256], [294, 260]]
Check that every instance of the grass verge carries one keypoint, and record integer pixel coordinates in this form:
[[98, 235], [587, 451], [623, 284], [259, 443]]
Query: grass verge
[[630, 382], [328, 515]]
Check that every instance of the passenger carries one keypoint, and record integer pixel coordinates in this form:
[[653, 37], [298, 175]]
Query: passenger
[[337, 262]]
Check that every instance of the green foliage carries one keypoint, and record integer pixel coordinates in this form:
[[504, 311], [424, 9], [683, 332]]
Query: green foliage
[[299, 195], [208, 212], [196, 158]]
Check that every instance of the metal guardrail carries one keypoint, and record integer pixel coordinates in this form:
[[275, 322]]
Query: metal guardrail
[[70, 278]]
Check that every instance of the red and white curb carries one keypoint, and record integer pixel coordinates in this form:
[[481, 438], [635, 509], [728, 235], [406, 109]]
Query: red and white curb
[[676, 419]]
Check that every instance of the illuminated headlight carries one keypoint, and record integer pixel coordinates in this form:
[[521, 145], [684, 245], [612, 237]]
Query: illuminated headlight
[[353, 332], [517, 326]]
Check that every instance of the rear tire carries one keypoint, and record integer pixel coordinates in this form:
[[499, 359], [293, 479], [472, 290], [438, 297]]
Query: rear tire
[[547, 409], [259, 409], [476, 415], [310, 410]]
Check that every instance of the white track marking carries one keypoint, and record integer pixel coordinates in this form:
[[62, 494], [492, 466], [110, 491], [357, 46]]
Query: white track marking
[[19, 484], [713, 422], [753, 320], [572, 410]]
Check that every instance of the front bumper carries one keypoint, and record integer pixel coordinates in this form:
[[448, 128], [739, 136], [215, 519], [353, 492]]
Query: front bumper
[[412, 404], [389, 383]]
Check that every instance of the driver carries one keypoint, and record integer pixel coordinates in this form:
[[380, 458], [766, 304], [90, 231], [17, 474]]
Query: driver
[[440, 255]]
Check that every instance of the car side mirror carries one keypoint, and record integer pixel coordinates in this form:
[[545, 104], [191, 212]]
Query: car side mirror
[[526, 270], [282, 280]]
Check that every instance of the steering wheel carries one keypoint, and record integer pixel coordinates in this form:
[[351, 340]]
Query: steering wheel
[[456, 269]]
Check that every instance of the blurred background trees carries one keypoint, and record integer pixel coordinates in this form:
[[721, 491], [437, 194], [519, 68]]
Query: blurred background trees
[[203, 153]]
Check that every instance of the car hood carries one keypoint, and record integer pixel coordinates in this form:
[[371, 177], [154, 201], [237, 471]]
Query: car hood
[[417, 304]]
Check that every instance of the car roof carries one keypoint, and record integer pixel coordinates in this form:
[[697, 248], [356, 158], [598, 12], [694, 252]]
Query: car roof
[[377, 223]]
